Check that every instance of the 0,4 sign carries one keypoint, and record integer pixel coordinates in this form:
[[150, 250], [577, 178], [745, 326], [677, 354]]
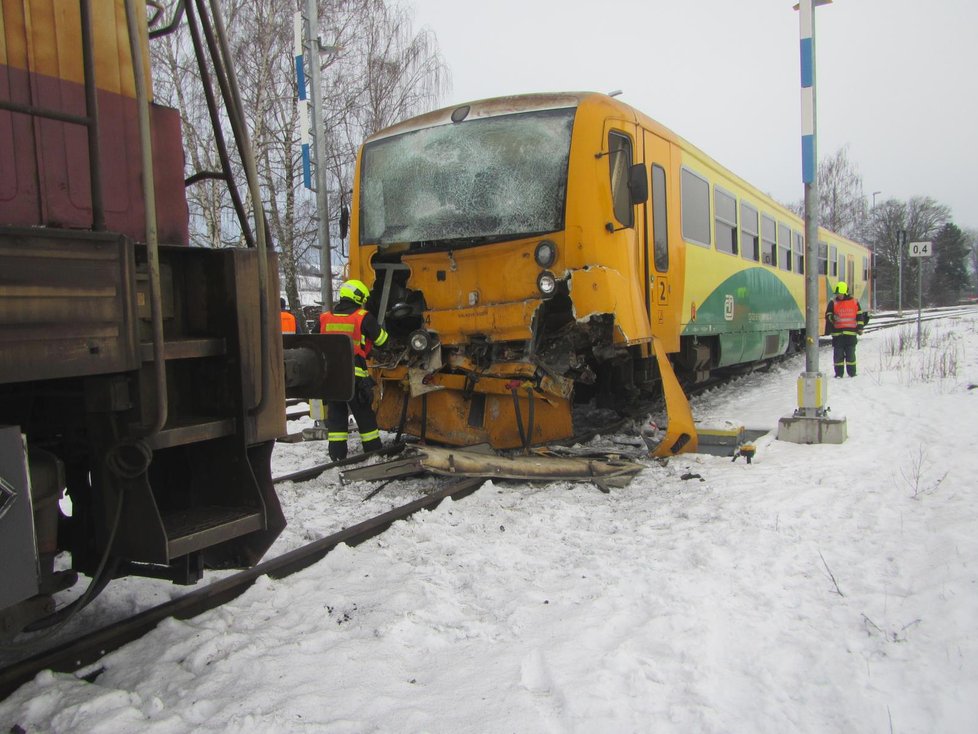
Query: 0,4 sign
[[921, 249]]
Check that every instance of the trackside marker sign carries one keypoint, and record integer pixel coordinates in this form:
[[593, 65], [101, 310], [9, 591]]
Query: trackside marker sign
[[921, 249]]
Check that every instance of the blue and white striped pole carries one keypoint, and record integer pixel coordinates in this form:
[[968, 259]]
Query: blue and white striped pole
[[308, 48], [810, 422], [808, 162], [300, 77], [809, 176]]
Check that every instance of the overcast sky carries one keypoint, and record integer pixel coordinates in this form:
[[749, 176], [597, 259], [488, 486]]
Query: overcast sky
[[895, 79]]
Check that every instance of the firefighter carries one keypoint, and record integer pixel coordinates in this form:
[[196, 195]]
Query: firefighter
[[288, 320], [844, 320], [349, 317]]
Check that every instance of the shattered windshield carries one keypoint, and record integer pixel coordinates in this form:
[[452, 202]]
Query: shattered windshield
[[486, 178]]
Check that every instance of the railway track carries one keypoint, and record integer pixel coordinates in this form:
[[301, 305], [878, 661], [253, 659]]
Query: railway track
[[78, 653], [892, 319], [81, 652]]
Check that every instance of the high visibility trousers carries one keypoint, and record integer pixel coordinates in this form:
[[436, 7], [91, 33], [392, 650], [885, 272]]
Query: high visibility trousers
[[337, 424], [844, 354]]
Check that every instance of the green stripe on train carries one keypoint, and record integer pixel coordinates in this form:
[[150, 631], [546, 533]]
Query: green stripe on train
[[750, 313]]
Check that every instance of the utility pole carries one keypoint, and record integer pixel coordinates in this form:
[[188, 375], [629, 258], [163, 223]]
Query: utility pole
[[903, 244], [873, 301], [310, 50]]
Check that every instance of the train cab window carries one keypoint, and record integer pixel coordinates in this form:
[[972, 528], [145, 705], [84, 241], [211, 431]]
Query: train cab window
[[660, 235], [725, 213], [769, 241], [823, 258], [833, 261], [748, 232], [798, 249], [784, 246], [695, 208], [619, 161]]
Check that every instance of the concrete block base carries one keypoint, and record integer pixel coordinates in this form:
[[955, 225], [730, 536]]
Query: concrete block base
[[806, 429]]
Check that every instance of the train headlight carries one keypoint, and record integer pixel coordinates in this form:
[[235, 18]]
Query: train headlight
[[545, 254], [547, 283], [420, 340]]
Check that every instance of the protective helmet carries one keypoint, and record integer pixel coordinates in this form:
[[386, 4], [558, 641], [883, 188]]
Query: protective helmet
[[841, 288], [355, 291]]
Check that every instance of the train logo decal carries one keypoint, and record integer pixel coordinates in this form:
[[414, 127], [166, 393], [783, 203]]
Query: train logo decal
[[728, 308]]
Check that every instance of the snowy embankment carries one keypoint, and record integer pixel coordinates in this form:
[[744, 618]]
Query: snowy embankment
[[819, 589]]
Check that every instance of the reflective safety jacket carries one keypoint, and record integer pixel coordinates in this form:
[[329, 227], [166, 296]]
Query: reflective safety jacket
[[844, 316], [358, 324], [288, 323]]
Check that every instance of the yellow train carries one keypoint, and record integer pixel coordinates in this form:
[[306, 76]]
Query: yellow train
[[532, 251]]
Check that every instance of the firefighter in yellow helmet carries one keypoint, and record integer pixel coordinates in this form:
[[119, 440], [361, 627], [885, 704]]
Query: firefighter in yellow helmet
[[844, 320], [351, 318]]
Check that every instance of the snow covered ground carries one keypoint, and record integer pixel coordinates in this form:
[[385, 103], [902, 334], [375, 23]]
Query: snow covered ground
[[828, 588]]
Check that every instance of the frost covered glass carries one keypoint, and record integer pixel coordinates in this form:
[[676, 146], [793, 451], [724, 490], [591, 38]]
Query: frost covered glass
[[489, 178]]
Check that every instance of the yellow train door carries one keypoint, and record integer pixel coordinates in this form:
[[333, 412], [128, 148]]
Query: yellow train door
[[663, 274]]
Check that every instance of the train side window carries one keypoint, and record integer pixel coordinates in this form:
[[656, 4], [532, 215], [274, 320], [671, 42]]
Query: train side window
[[798, 248], [769, 241], [784, 246], [865, 269], [833, 261], [823, 258], [725, 213], [695, 208], [851, 271], [748, 232], [842, 266], [660, 235], [619, 162]]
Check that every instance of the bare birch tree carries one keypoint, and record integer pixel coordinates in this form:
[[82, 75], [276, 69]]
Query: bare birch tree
[[842, 204], [176, 84], [381, 72]]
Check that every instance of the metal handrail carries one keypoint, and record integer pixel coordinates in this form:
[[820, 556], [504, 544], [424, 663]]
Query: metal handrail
[[251, 173], [152, 235]]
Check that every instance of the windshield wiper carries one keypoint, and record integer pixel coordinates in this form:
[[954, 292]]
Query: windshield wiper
[[456, 242]]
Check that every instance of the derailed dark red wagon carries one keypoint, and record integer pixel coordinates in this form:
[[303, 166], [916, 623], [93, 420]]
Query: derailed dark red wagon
[[141, 376]]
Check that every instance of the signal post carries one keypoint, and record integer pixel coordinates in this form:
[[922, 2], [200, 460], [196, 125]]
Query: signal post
[[810, 422]]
